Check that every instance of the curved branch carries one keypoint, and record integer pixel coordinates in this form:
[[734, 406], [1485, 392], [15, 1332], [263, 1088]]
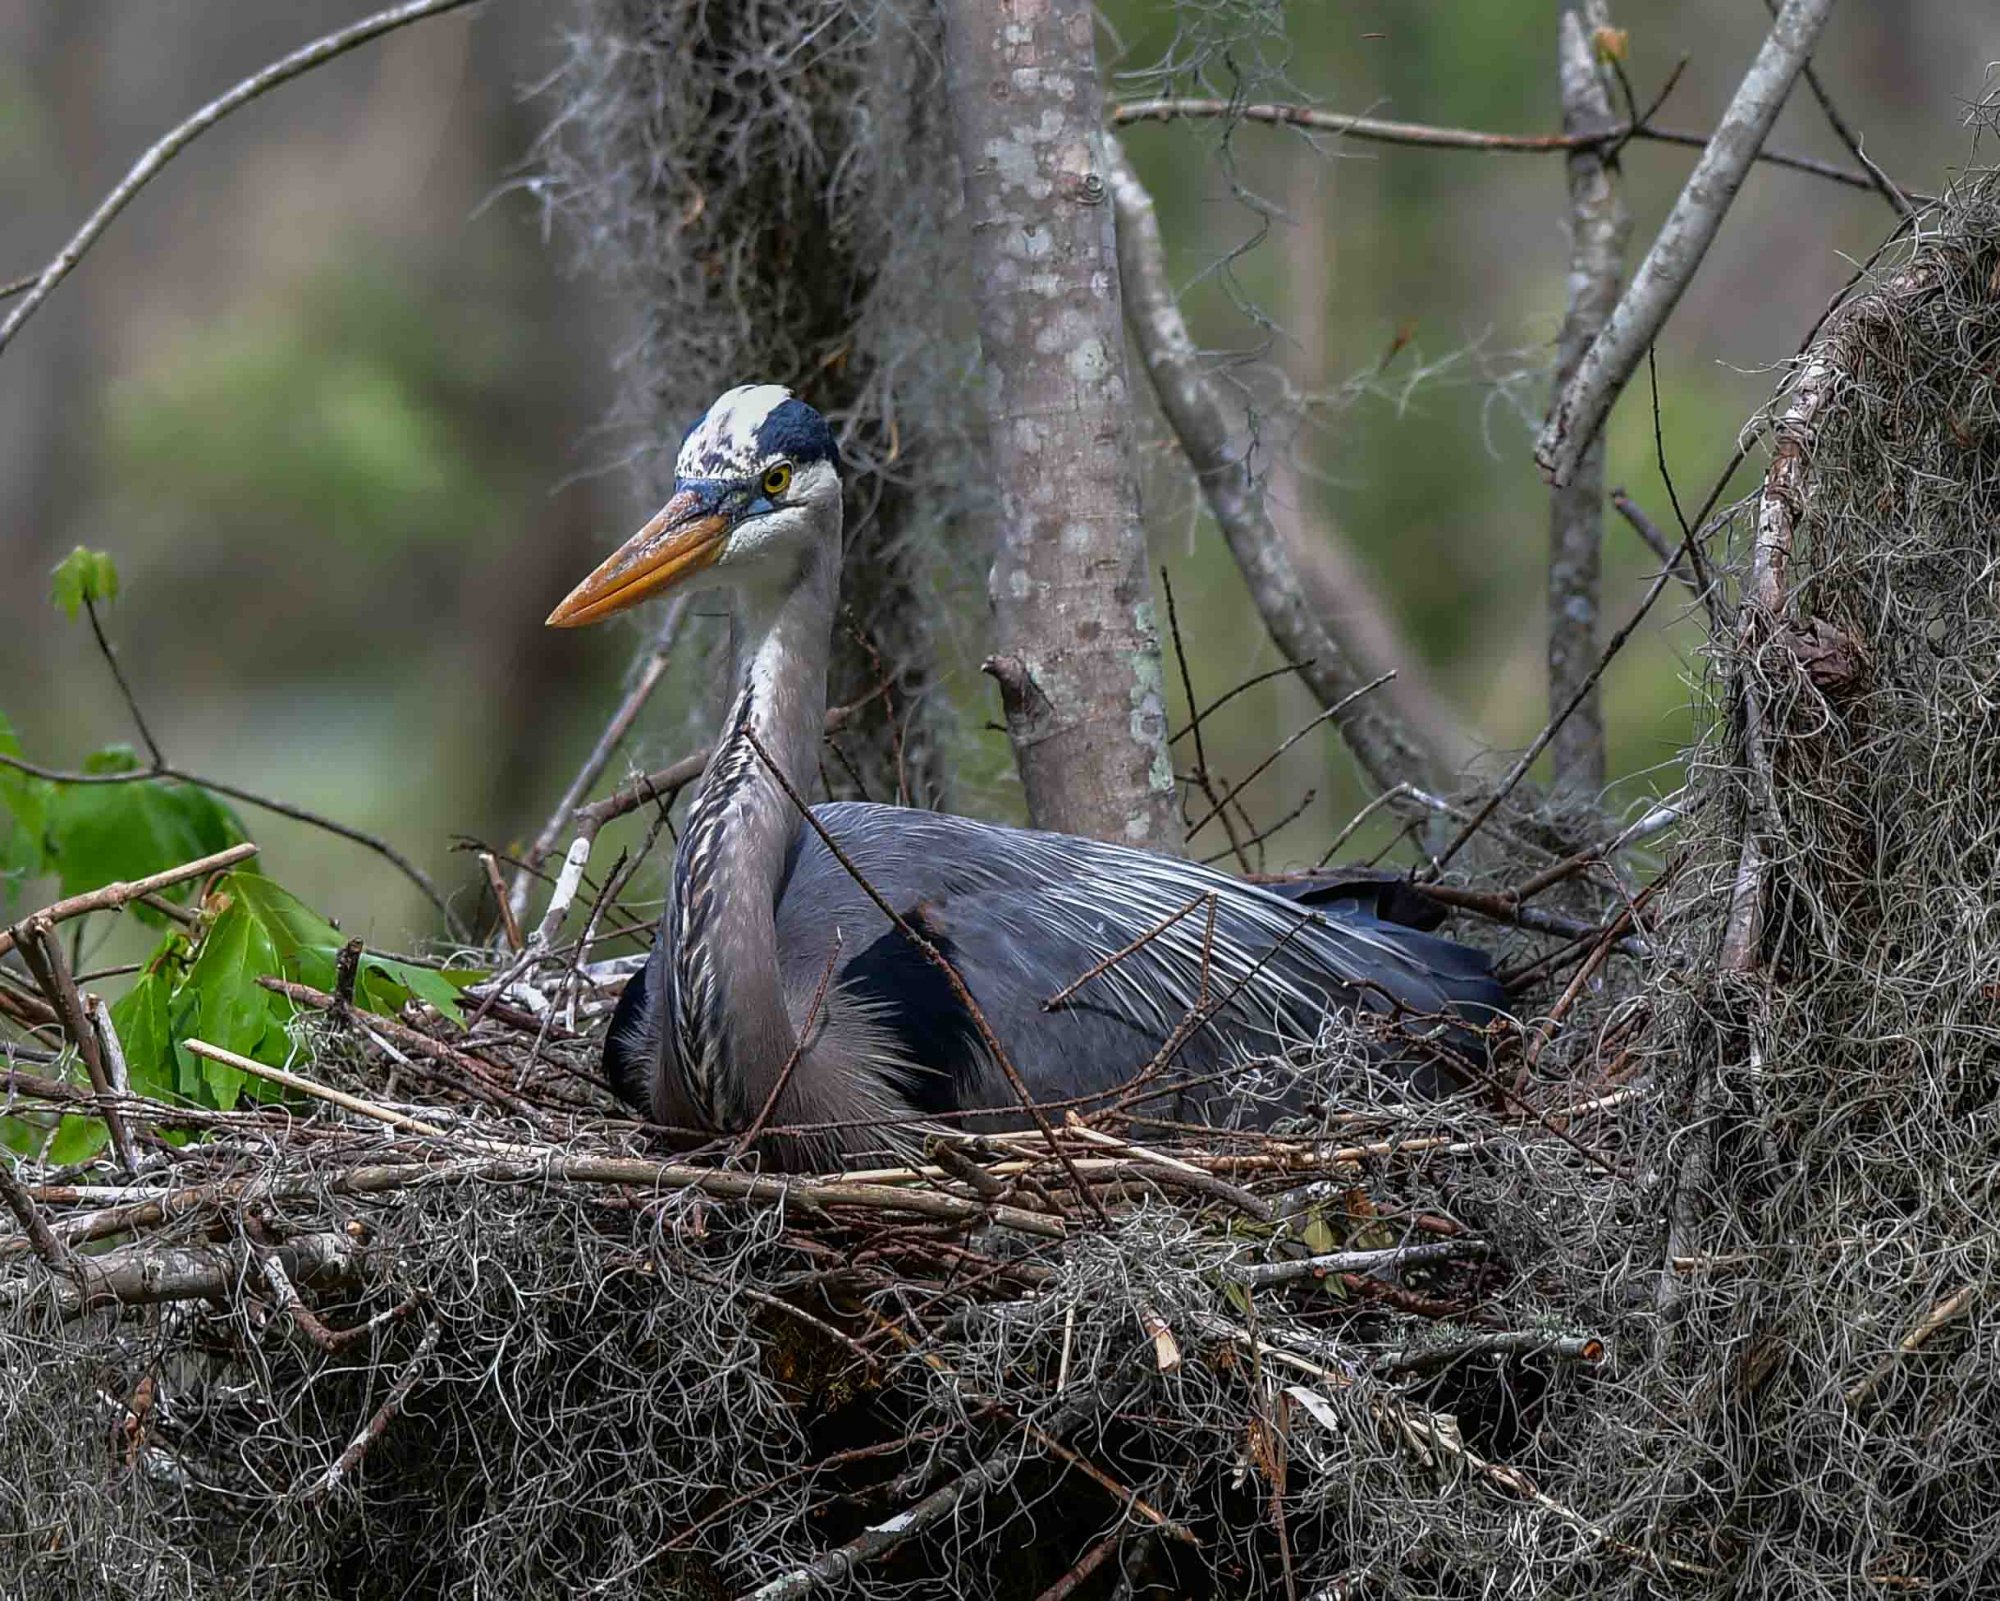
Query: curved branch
[[171, 144], [1388, 752]]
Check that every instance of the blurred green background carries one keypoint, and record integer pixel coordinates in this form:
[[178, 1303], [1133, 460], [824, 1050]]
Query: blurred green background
[[330, 398]]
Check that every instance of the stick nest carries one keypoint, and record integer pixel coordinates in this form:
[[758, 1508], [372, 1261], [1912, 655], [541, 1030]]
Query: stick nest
[[1693, 1299]]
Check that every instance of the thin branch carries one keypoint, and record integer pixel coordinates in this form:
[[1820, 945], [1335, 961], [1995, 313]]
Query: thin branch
[[749, 1135], [1599, 226], [1683, 241], [125, 689], [50, 1249], [165, 149], [298, 814], [1583, 1348], [1884, 184], [1654, 539], [306, 1086], [384, 1414], [1200, 771], [1331, 714], [510, 926], [1388, 753], [35, 938], [1527, 759], [648, 669], [1378, 130], [1124, 951], [1257, 1275]]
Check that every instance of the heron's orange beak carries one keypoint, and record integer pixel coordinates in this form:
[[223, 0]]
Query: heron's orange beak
[[685, 537]]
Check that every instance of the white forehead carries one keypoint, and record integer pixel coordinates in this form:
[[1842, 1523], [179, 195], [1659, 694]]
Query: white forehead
[[724, 443]]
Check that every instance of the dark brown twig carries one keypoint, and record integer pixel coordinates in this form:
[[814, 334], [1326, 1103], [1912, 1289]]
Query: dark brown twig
[[1124, 951], [749, 1135], [1885, 186], [1520, 768], [42, 951], [1200, 774]]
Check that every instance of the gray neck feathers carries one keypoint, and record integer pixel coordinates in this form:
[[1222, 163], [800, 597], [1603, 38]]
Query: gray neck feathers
[[734, 1033]]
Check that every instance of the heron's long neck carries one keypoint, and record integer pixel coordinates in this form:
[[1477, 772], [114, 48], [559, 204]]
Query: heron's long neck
[[734, 1032]]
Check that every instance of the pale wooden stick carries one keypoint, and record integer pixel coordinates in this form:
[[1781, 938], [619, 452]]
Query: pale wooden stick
[[305, 1086]]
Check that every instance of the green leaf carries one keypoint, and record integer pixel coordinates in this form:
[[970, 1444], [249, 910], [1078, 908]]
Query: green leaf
[[84, 575], [293, 928], [100, 833], [78, 1140], [232, 1009], [140, 1016], [395, 982], [308, 946]]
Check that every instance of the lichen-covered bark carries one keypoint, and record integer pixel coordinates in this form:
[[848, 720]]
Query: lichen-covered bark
[[1078, 651], [1599, 226]]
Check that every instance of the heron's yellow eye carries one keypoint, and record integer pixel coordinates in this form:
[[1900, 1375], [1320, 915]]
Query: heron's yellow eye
[[777, 479]]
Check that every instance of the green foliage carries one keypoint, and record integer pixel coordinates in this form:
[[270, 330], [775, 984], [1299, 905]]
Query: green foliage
[[204, 984], [84, 575]]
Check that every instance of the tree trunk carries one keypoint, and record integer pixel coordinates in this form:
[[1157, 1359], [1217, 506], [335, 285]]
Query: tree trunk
[[1078, 651]]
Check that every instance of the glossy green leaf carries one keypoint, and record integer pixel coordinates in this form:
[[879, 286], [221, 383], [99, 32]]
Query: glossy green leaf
[[308, 947], [84, 575]]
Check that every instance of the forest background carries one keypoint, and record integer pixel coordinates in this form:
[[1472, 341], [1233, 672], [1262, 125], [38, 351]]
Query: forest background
[[333, 399]]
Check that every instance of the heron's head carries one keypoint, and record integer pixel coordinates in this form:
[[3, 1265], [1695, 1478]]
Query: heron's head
[[756, 488]]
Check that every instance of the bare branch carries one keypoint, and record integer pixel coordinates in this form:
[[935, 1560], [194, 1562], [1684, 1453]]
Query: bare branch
[[170, 145], [648, 669], [1387, 752], [1683, 241], [1884, 184], [379, 1421], [1379, 130], [1599, 226], [1526, 759], [35, 938], [1258, 1274], [144, 1275]]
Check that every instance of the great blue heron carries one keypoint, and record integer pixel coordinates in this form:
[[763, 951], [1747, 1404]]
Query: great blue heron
[[778, 988]]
